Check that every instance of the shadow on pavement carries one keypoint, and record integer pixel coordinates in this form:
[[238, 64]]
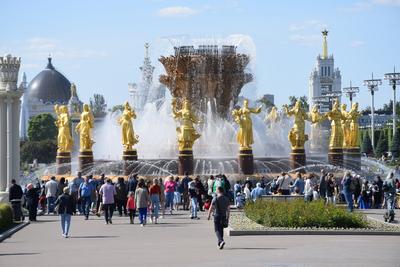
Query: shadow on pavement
[[18, 254], [95, 236], [259, 248]]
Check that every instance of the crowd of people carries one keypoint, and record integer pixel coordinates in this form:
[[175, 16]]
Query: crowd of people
[[151, 199]]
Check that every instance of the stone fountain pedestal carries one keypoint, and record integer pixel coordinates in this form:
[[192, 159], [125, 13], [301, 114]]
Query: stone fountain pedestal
[[85, 159], [129, 157], [298, 159], [246, 161], [352, 158], [63, 160], [185, 162], [335, 156]]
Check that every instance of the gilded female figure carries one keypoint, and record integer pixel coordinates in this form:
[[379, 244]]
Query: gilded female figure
[[187, 134], [297, 137], [64, 139], [336, 117], [129, 139], [243, 119], [353, 115], [84, 128], [345, 126]]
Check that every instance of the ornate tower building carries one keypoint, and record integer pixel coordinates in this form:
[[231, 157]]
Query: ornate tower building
[[10, 105]]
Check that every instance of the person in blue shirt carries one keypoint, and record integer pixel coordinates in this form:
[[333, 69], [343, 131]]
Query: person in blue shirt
[[257, 192], [85, 196], [298, 185]]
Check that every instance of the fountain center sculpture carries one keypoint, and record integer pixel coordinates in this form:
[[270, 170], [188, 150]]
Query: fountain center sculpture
[[208, 74]]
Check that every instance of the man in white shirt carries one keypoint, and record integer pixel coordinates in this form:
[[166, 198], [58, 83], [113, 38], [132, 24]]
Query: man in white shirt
[[51, 194], [283, 183]]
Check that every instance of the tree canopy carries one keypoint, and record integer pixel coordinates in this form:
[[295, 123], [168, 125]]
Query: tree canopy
[[42, 127], [98, 105]]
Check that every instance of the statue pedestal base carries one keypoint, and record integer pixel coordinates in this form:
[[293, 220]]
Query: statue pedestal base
[[63, 161], [185, 162], [352, 158], [298, 159], [245, 161], [130, 158], [335, 156], [85, 161]]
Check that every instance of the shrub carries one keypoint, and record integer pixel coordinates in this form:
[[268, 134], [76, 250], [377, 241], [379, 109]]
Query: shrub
[[6, 217], [298, 213]]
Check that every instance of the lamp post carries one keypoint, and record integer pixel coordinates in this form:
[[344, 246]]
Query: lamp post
[[372, 85], [351, 92], [394, 79]]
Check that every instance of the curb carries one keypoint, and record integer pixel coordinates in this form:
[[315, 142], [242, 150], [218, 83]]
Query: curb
[[308, 232], [383, 222], [12, 231]]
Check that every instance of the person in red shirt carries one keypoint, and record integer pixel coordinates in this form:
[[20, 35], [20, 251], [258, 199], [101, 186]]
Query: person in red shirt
[[155, 196], [131, 206]]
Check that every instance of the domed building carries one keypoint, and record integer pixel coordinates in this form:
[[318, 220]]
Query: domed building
[[46, 89]]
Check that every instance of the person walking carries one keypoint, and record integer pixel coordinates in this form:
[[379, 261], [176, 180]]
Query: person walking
[[121, 196], [298, 185], [142, 201], [66, 206], [155, 196], [131, 206], [210, 186], [15, 197], [322, 186], [347, 192], [51, 194], [308, 189], [389, 189], [169, 190], [85, 196], [185, 190], [193, 192], [61, 185], [107, 192], [73, 186], [284, 184], [32, 201], [330, 189], [221, 207], [257, 192]]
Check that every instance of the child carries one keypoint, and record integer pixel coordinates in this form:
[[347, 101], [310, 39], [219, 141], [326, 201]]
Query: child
[[131, 206]]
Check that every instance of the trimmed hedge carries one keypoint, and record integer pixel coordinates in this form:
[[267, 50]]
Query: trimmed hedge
[[6, 217], [298, 213]]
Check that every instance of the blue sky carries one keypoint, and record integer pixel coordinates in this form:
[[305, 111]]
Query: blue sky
[[99, 44]]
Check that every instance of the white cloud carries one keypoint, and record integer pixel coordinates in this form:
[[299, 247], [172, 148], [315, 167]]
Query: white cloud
[[387, 2], [177, 11], [41, 43], [312, 24], [356, 43]]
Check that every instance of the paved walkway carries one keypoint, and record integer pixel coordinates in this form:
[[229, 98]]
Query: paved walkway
[[378, 215], [179, 241]]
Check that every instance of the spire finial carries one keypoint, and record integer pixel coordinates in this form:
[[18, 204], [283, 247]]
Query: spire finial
[[49, 64], [324, 44], [146, 48]]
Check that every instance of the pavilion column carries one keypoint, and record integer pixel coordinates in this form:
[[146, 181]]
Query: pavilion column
[[16, 109], [10, 147], [3, 145]]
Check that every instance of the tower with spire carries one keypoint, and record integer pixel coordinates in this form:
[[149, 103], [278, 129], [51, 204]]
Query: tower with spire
[[325, 81], [145, 92]]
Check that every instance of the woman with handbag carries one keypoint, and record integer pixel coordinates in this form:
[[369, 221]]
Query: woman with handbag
[[221, 205]]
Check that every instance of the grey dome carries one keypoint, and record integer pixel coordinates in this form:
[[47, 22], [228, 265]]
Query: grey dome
[[50, 86]]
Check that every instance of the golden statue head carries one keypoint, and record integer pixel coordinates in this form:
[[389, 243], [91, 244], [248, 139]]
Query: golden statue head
[[335, 104], [355, 106], [246, 103], [297, 105], [64, 109], [126, 105], [86, 107], [315, 108], [343, 107]]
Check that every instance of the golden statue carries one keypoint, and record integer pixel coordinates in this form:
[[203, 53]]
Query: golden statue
[[187, 134], [315, 116], [272, 116], [345, 126], [84, 128], [129, 139], [64, 139], [336, 117], [297, 137], [352, 116], [243, 119]]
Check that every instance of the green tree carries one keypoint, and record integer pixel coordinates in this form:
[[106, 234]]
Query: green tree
[[395, 147], [42, 127], [264, 101], [303, 99], [366, 146], [382, 146], [44, 151], [98, 105], [117, 108]]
